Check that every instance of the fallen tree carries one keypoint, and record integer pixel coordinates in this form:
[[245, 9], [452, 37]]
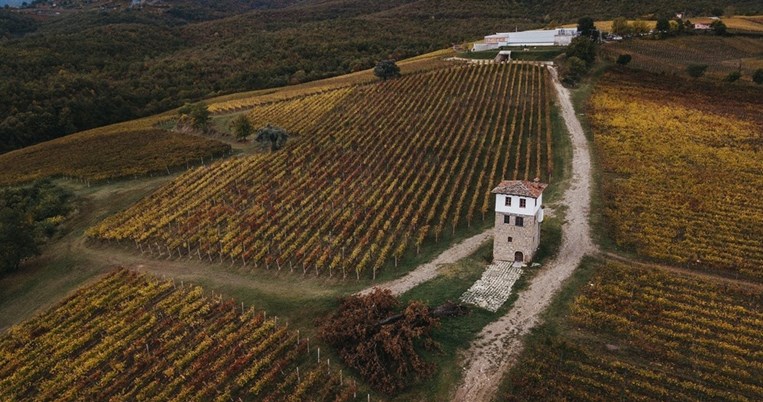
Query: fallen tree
[[383, 343]]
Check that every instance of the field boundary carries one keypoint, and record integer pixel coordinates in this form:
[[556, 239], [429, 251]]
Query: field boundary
[[684, 271]]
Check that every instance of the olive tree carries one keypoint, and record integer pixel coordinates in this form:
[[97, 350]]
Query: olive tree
[[274, 136]]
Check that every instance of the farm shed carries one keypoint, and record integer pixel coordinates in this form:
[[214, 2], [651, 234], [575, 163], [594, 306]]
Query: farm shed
[[538, 37], [503, 56]]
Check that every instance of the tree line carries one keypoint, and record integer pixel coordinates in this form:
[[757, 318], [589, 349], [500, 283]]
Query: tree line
[[29, 216]]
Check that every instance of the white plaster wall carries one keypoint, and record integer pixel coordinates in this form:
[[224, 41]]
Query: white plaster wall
[[530, 209]]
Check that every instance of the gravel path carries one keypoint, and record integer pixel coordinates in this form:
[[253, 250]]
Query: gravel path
[[428, 271], [494, 287], [500, 343]]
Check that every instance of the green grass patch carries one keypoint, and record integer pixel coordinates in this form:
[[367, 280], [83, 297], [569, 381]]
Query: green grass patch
[[222, 122], [454, 334], [39, 286], [562, 157], [430, 249], [581, 97], [551, 237], [299, 309]]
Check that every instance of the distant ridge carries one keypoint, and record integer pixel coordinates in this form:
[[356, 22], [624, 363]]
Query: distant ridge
[[12, 3]]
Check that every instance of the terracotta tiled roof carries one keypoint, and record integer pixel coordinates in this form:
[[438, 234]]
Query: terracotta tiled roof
[[522, 188]]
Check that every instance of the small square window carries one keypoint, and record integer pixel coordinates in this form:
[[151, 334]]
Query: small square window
[[508, 201], [511, 239], [506, 219], [519, 221], [522, 202]]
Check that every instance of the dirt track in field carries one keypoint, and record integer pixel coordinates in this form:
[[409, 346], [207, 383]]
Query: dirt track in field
[[428, 271], [499, 344]]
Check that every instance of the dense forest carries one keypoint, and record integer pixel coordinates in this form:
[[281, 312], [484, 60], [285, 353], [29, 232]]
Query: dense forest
[[94, 67]]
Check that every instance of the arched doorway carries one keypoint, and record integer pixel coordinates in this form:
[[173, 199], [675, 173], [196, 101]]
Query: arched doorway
[[519, 257]]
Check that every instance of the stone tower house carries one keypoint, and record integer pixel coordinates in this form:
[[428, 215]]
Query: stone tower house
[[518, 215]]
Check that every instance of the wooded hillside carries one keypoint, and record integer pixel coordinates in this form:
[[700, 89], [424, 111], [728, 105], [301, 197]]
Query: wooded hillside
[[90, 68]]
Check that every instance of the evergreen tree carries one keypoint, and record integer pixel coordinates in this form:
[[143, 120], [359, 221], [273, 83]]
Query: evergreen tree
[[757, 76], [663, 25], [719, 27], [624, 59], [696, 70], [583, 48], [386, 69], [587, 28]]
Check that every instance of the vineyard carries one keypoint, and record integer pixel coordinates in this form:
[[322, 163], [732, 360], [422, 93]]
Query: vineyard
[[683, 171], [377, 170], [637, 333], [134, 337], [301, 114], [722, 54], [247, 100], [107, 153]]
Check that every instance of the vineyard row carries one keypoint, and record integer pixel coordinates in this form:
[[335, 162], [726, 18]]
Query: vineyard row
[[134, 337], [644, 334], [380, 169]]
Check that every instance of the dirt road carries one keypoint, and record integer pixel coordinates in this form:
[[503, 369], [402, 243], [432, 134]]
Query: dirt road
[[500, 343], [428, 271]]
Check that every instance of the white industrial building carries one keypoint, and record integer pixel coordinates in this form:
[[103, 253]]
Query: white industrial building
[[538, 37]]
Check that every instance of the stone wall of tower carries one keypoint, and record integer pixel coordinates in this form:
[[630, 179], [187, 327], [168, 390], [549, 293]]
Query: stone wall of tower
[[524, 239]]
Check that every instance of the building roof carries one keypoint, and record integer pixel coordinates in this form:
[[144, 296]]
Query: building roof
[[522, 188]]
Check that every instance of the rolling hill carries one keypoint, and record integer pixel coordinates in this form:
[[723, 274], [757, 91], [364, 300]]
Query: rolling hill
[[90, 68], [376, 174]]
